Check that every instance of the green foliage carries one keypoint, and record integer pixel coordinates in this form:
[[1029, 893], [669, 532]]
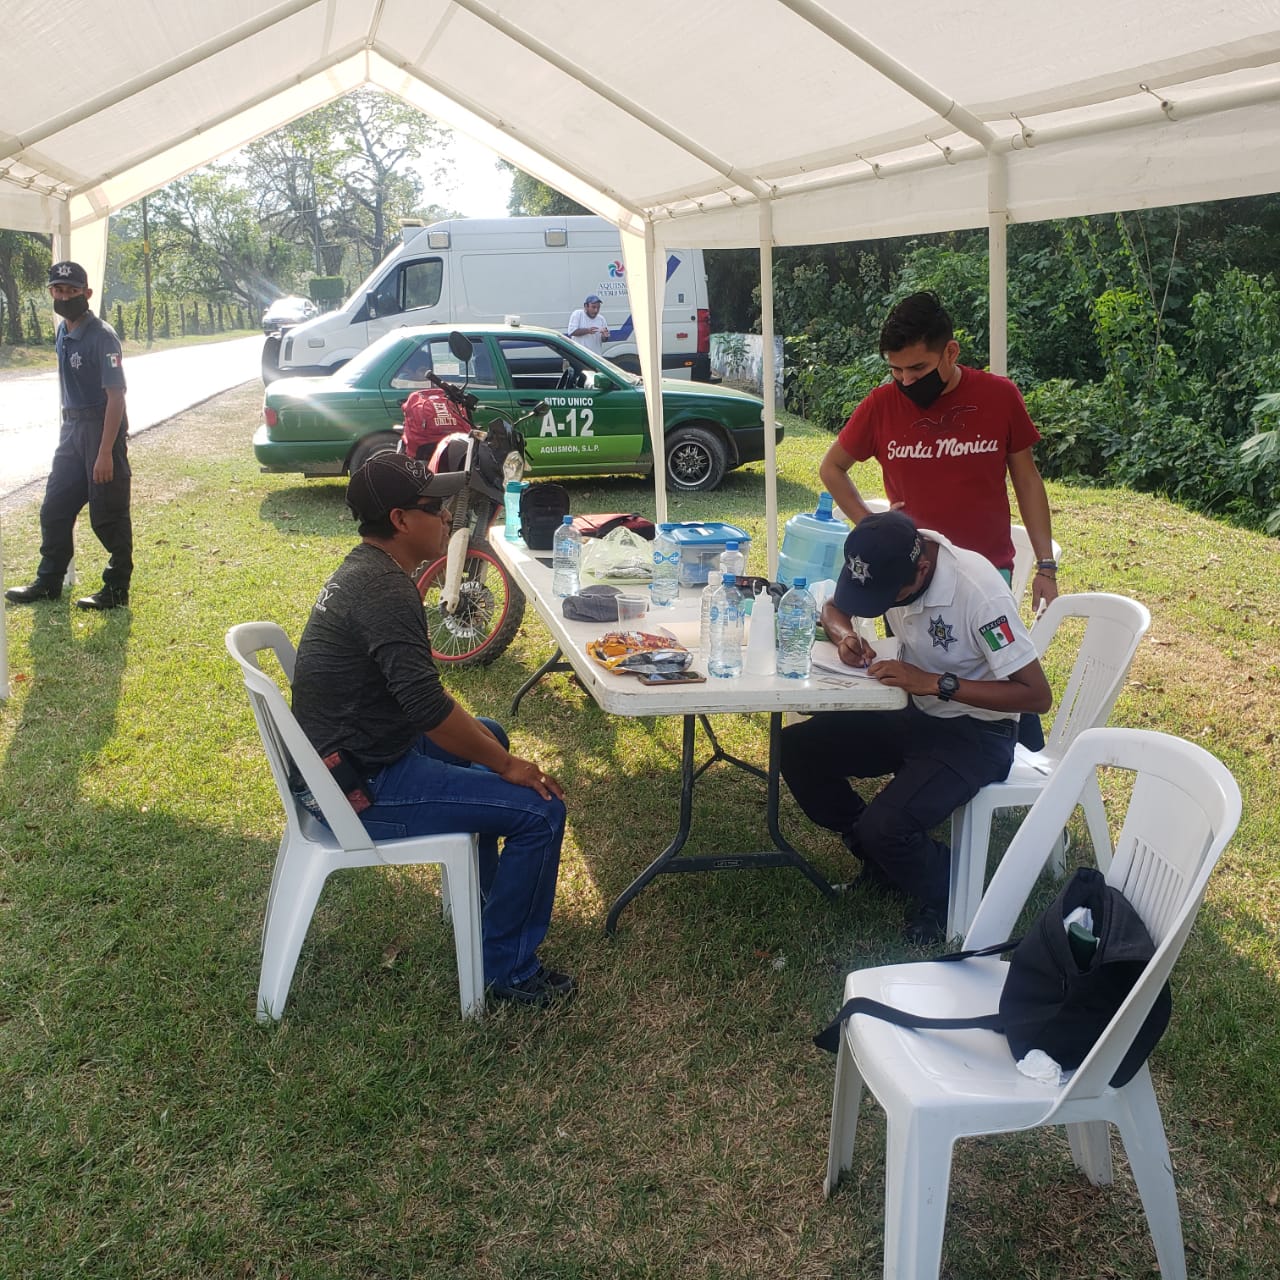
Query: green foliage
[[533, 199]]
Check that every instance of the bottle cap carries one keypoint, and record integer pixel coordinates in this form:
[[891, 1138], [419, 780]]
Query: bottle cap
[[800, 583], [567, 520]]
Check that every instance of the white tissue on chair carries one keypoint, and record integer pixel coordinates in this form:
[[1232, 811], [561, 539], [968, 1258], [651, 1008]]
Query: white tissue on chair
[[1039, 1066]]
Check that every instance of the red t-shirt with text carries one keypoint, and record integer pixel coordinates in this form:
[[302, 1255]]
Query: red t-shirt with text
[[947, 464]]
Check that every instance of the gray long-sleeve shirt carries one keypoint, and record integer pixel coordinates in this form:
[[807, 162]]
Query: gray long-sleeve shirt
[[365, 680]]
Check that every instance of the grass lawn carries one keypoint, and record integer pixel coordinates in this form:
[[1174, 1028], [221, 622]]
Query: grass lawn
[[670, 1122], [34, 359]]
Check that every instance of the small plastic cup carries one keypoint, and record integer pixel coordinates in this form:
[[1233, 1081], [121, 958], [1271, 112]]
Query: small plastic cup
[[632, 608]]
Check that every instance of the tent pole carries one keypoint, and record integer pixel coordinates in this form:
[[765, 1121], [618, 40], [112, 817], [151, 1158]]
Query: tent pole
[[998, 260], [770, 375], [639, 255]]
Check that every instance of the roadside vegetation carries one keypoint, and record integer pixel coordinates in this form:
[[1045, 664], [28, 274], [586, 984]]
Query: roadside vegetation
[[672, 1121], [1147, 343]]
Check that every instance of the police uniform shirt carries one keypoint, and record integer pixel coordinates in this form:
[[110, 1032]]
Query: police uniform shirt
[[966, 622], [89, 361]]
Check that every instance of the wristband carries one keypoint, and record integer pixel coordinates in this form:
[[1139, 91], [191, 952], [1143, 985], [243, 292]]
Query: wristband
[[1046, 564], [1045, 573]]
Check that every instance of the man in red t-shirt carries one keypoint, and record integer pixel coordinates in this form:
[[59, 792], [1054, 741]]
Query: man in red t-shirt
[[945, 436]]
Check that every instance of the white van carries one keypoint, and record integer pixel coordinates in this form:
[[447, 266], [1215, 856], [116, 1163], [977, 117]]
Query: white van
[[472, 270]]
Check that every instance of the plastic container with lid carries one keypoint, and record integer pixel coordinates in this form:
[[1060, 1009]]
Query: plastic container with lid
[[812, 545], [701, 545]]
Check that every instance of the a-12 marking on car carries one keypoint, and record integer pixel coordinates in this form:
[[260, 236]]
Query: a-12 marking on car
[[595, 421]]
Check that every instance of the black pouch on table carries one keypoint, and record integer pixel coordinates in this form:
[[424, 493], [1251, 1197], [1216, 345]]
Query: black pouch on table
[[543, 507]]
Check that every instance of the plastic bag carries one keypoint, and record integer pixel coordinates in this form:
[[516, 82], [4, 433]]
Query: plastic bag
[[620, 556]]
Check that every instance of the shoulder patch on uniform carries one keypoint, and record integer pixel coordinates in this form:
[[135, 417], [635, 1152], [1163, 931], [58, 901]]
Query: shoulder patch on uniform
[[998, 634]]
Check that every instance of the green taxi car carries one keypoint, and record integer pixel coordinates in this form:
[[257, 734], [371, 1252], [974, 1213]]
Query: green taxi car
[[594, 423]]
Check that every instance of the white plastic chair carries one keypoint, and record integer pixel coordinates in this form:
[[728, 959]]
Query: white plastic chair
[[1114, 626], [937, 1086], [310, 852]]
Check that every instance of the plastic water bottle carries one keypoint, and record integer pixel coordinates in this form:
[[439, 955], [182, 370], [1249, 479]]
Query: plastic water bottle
[[566, 556], [511, 509], [665, 588], [733, 561], [796, 618], [726, 630], [704, 634]]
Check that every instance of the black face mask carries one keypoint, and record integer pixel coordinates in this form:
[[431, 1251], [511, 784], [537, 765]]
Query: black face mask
[[923, 391], [71, 308]]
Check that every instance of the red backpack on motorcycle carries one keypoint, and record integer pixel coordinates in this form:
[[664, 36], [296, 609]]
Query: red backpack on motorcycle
[[429, 416]]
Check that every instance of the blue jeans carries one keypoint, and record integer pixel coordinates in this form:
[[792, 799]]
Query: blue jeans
[[937, 764], [430, 792]]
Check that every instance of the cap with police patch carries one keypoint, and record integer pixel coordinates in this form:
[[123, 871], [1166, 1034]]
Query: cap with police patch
[[391, 481], [71, 273], [880, 558]]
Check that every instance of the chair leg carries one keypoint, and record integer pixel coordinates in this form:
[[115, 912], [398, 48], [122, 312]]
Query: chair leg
[[296, 884], [917, 1177], [468, 944], [1091, 1150], [1142, 1131], [846, 1101], [446, 904], [970, 843], [1095, 814]]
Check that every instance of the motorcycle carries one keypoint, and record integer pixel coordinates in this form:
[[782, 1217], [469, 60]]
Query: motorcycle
[[473, 608]]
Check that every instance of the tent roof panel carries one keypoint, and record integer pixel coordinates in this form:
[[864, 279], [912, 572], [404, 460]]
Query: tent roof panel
[[695, 110]]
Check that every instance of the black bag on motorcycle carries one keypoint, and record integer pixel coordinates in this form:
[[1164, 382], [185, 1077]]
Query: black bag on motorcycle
[[543, 507]]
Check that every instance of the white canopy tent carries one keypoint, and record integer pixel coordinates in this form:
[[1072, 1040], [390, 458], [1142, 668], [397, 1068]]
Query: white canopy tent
[[726, 123]]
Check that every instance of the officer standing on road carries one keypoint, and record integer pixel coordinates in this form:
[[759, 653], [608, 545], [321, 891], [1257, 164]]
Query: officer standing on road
[[91, 462]]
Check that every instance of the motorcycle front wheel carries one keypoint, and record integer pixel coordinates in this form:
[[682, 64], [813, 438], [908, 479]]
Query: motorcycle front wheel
[[490, 609]]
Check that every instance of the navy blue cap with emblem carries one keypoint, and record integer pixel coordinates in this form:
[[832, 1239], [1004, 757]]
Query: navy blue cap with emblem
[[71, 273], [880, 558]]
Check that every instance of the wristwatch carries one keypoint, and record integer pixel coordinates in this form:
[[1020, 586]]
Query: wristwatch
[[948, 686]]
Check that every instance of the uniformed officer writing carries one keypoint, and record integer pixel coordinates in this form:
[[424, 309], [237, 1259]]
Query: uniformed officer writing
[[970, 668], [91, 462]]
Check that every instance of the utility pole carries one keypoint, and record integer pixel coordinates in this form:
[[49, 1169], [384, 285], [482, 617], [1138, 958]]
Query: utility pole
[[146, 268]]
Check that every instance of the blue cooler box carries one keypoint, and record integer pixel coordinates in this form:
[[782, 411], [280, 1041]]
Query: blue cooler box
[[700, 547]]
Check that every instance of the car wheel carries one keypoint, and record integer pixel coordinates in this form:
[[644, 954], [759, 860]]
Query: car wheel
[[696, 459], [370, 446], [271, 360]]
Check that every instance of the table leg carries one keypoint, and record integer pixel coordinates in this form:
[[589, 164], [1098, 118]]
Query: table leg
[[554, 663], [783, 854]]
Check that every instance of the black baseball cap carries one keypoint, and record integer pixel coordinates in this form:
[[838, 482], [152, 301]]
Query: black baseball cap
[[880, 558], [394, 481], [71, 273]]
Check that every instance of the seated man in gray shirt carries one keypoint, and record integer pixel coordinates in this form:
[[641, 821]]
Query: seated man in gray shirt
[[367, 694]]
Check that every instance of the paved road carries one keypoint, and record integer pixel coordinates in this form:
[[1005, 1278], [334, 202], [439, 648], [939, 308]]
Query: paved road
[[160, 385]]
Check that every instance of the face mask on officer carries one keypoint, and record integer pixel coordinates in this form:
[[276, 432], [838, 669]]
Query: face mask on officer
[[71, 308]]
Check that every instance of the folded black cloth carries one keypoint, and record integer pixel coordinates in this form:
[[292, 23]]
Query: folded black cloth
[[593, 604]]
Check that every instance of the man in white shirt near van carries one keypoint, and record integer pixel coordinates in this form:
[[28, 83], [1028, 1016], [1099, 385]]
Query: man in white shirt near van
[[588, 326]]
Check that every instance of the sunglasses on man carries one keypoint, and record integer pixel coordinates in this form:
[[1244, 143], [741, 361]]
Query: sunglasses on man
[[429, 506]]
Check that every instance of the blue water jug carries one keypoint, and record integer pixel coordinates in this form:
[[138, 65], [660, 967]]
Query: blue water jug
[[812, 544]]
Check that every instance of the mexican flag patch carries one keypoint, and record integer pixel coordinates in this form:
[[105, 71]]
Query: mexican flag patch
[[997, 634]]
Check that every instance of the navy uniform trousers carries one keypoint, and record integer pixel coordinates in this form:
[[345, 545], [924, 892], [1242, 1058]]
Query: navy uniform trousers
[[937, 765], [71, 486]]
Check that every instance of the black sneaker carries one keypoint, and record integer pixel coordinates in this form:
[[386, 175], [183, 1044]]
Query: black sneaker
[[539, 990], [872, 879], [927, 924], [36, 591], [107, 598]]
